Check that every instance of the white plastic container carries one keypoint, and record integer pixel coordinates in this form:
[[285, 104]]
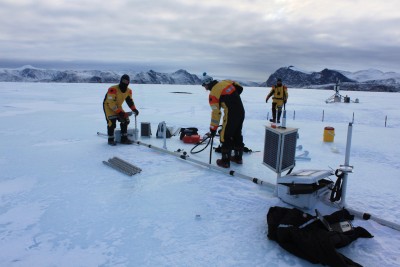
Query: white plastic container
[[303, 188]]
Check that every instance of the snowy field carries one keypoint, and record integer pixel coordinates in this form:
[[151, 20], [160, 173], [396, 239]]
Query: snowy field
[[61, 206]]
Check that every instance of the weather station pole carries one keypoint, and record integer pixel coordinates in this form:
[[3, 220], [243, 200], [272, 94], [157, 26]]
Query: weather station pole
[[164, 131], [346, 168]]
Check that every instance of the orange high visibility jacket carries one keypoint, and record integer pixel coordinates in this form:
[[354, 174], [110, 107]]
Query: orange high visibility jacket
[[219, 91], [115, 98]]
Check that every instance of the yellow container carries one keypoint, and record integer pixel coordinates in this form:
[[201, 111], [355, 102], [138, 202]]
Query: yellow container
[[329, 134]]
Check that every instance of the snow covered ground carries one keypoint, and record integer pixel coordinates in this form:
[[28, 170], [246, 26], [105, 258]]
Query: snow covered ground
[[61, 206]]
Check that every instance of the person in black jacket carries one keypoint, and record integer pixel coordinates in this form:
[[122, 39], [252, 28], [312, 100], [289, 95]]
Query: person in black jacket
[[225, 95]]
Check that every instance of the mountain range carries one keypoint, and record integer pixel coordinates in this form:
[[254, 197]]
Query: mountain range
[[365, 80], [32, 74]]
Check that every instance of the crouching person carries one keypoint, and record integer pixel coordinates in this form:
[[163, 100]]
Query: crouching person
[[112, 106]]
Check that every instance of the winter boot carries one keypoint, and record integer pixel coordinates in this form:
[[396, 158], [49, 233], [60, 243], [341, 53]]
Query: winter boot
[[238, 157], [273, 115], [224, 162], [111, 141], [125, 140], [110, 133], [279, 115]]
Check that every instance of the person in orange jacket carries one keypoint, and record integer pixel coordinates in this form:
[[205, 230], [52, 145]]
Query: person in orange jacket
[[112, 105], [279, 95], [225, 94]]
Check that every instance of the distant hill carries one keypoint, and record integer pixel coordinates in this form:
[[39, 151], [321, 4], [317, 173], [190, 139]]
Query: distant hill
[[367, 80], [32, 74], [297, 78]]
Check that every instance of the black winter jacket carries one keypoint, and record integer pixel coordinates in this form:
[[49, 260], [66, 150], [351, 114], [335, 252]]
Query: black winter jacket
[[307, 237]]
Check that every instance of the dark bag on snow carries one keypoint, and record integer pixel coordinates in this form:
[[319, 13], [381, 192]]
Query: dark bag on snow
[[314, 238], [188, 132]]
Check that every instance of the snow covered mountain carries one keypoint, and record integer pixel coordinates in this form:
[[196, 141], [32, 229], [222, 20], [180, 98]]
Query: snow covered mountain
[[297, 78], [32, 74], [371, 75], [364, 80], [178, 77]]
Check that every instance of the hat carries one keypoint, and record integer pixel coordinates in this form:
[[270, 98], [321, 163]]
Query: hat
[[279, 80], [206, 79], [125, 78]]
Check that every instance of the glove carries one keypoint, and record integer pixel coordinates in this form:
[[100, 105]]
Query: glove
[[284, 102], [135, 111], [213, 132], [266, 100]]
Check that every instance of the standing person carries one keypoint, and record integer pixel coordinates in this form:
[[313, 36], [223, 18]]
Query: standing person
[[112, 105], [226, 94], [279, 95]]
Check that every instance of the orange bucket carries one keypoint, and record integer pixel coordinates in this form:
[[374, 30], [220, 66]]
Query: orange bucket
[[329, 134]]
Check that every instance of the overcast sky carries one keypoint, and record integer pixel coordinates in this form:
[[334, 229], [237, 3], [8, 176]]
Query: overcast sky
[[237, 38]]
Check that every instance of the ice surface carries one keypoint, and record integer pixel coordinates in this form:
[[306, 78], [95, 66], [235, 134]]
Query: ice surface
[[61, 206]]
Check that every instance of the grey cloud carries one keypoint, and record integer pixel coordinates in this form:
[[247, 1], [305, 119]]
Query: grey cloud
[[235, 38]]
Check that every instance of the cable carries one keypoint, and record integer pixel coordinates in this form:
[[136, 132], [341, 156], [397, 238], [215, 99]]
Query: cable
[[336, 193], [200, 143]]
